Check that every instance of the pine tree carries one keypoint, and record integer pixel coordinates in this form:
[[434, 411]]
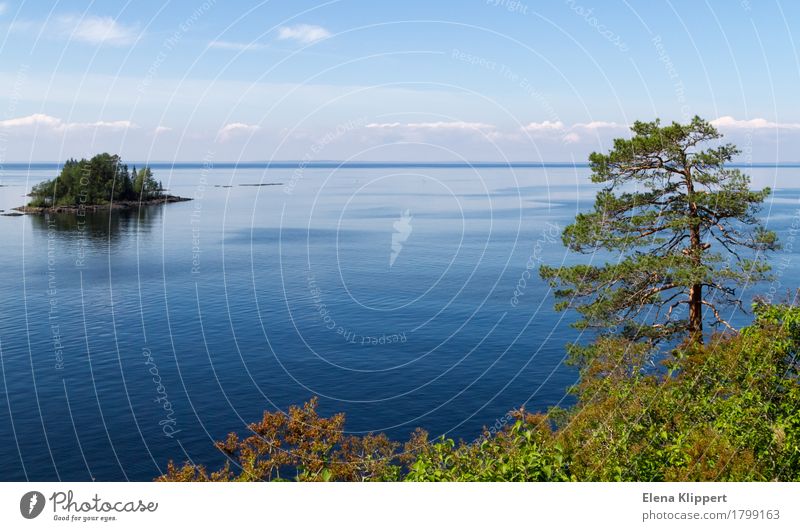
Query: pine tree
[[681, 232]]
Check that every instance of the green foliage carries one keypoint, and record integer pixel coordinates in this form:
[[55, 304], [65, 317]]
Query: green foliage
[[144, 184], [683, 231], [97, 181], [524, 451]]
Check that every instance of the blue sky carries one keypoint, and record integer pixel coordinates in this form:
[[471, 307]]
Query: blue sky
[[412, 80]]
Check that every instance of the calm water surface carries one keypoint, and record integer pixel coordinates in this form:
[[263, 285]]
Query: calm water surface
[[130, 338]]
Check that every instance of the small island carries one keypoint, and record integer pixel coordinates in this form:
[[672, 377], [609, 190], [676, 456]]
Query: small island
[[100, 183]]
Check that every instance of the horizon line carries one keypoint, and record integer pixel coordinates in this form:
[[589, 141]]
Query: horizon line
[[323, 163]]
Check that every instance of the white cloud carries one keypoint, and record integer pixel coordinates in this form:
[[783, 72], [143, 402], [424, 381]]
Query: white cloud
[[388, 125], [599, 125], [729, 122], [97, 30], [571, 138], [87, 29], [236, 128], [42, 120], [594, 127], [535, 127], [548, 126], [56, 125], [445, 126], [236, 46], [161, 129], [568, 134], [304, 33]]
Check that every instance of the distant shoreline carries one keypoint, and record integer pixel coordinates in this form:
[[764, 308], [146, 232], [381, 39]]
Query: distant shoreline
[[332, 164], [116, 205]]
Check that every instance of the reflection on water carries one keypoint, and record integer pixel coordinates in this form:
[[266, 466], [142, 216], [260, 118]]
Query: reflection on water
[[98, 228]]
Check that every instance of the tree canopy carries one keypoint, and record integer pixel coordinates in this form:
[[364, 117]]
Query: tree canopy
[[97, 181], [680, 229]]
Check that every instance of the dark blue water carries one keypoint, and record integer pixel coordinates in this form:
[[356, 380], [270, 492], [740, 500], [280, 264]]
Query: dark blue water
[[130, 339]]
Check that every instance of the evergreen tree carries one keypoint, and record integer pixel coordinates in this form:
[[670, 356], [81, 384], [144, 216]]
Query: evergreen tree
[[96, 181], [681, 231]]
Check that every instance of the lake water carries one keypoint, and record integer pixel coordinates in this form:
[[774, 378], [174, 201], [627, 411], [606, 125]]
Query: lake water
[[388, 292]]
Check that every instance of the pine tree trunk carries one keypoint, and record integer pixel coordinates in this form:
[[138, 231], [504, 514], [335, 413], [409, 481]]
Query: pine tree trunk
[[696, 291], [696, 314], [696, 252]]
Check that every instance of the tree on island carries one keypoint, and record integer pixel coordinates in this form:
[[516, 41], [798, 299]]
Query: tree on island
[[145, 185], [97, 181], [682, 231]]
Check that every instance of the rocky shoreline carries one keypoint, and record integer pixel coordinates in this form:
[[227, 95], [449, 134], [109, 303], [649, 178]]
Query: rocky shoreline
[[117, 205]]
